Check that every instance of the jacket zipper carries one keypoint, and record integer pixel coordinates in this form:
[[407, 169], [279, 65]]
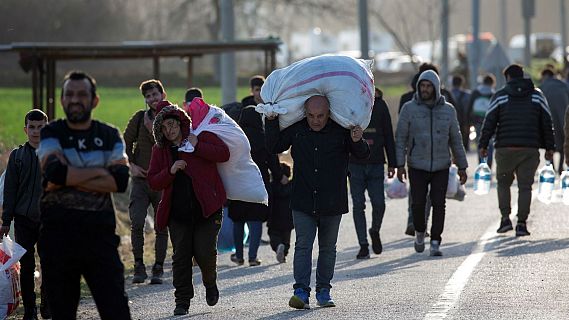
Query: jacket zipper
[[432, 139], [33, 185]]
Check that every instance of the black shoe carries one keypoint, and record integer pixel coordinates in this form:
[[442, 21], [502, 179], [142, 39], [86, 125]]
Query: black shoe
[[254, 262], [363, 253], [139, 272], [505, 225], [157, 273], [376, 245], [181, 309], [211, 296], [410, 231], [44, 310], [30, 314], [238, 261], [522, 230]]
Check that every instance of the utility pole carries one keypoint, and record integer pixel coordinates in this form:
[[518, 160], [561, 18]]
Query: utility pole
[[474, 54], [228, 73], [364, 29], [528, 12], [444, 41], [563, 34]]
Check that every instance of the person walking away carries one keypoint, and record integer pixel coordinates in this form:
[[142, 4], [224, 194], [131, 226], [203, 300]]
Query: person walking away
[[22, 191], [320, 151], [463, 113], [427, 129], [521, 120], [83, 161], [557, 94], [479, 104], [139, 141], [191, 201], [280, 220], [369, 174]]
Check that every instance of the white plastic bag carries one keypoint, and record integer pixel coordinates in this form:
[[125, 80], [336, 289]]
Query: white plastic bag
[[396, 189], [345, 81], [240, 175], [10, 291], [453, 182]]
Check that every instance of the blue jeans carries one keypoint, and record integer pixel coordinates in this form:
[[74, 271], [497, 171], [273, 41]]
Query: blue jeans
[[306, 226], [370, 177], [255, 230]]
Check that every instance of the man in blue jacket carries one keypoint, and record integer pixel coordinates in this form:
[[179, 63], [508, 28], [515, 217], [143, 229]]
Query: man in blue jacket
[[320, 151], [521, 119]]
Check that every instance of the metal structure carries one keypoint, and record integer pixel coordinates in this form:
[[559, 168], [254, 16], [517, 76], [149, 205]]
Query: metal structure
[[41, 57]]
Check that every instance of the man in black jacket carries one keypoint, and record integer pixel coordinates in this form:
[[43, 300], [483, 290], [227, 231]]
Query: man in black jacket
[[22, 191], [369, 174], [320, 151], [521, 119]]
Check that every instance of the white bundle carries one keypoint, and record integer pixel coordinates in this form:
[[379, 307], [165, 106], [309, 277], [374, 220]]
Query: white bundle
[[240, 175], [346, 82]]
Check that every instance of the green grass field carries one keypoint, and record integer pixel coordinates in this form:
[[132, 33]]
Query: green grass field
[[116, 107]]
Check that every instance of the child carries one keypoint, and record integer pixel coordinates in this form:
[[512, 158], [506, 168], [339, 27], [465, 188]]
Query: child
[[280, 221]]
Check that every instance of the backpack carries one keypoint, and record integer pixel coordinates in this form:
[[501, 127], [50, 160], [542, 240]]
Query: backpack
[[480, 106]]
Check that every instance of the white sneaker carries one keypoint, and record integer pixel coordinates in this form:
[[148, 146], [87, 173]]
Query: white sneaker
[[435, 248], [281, 253], [419, 241]]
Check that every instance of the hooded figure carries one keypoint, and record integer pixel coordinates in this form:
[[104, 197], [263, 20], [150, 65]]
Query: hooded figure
[[427, 131], [191, 201]]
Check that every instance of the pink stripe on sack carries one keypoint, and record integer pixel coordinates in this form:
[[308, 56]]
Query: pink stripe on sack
[[332, 74]]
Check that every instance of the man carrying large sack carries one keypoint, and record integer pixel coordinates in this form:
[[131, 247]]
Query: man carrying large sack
[[320, 150]]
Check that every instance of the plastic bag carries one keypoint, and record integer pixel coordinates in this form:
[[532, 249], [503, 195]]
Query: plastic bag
[[10, 291], [346, 82], [396, 189], [241, 177], [453, 181]]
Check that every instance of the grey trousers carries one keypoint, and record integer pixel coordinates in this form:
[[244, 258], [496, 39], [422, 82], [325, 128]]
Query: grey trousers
[[521, 163]]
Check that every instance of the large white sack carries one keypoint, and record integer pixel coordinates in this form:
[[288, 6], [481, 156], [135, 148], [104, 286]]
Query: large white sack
[[346, 82], [240, 175]]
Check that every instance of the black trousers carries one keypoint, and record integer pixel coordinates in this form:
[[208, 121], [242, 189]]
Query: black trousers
[[197, 239], [420, 181], [27, 233], [73, 247], [278, 236]]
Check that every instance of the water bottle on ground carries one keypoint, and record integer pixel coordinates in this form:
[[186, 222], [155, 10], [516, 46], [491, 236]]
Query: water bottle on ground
[[482, 178], [546, 183], [565, 186]]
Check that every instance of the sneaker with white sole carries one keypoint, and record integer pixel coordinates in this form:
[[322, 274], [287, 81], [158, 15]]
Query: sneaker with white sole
[[324, 299], [281, 253], [419, 241], [300, 299]]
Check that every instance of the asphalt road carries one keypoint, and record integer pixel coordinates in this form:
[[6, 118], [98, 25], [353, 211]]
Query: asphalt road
[[482, 274]]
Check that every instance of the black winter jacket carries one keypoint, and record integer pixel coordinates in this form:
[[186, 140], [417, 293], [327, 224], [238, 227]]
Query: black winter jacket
[[22, 185], [379, 136], [520, 117], [320, 164]]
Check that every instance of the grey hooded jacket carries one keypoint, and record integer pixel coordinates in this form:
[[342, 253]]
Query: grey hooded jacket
[[426, 134]]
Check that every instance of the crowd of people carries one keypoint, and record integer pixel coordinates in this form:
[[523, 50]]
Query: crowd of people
[[58, 184]]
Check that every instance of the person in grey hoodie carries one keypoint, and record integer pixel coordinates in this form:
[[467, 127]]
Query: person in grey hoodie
[[426, 132]]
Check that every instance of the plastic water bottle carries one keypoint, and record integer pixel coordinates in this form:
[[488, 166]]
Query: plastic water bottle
[[546, 183], [482, 178], [565, 186]]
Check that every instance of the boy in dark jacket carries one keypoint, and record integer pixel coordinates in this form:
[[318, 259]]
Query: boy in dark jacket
[[22, 190], [280, 220]]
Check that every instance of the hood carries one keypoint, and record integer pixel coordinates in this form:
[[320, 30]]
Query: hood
[[174, 111], [485, 90], [433, 78], [197, 110], [519, 87]]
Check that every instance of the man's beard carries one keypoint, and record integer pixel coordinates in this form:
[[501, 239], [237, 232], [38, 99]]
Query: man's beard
[[426, 96], [77, 116]]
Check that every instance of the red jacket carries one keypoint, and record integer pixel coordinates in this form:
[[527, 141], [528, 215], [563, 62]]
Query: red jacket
[[202, 168]]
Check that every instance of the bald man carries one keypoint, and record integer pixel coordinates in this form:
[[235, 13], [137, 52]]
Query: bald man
[[320, 150]]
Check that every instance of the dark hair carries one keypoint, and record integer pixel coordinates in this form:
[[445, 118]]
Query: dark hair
[[256, 81], [457, 80], [428, 66], [35, 115], [80, 75], [514, 71], [489, 80], [547, 72], [285, 169], [151, 84], [192, 93]]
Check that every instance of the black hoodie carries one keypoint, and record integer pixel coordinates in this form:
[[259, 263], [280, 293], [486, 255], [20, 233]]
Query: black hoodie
[[520, 117]]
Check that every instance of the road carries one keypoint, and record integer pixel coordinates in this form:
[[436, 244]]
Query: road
[[482, 274]]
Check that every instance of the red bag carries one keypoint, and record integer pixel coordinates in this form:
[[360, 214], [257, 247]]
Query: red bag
[[10, 290]]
